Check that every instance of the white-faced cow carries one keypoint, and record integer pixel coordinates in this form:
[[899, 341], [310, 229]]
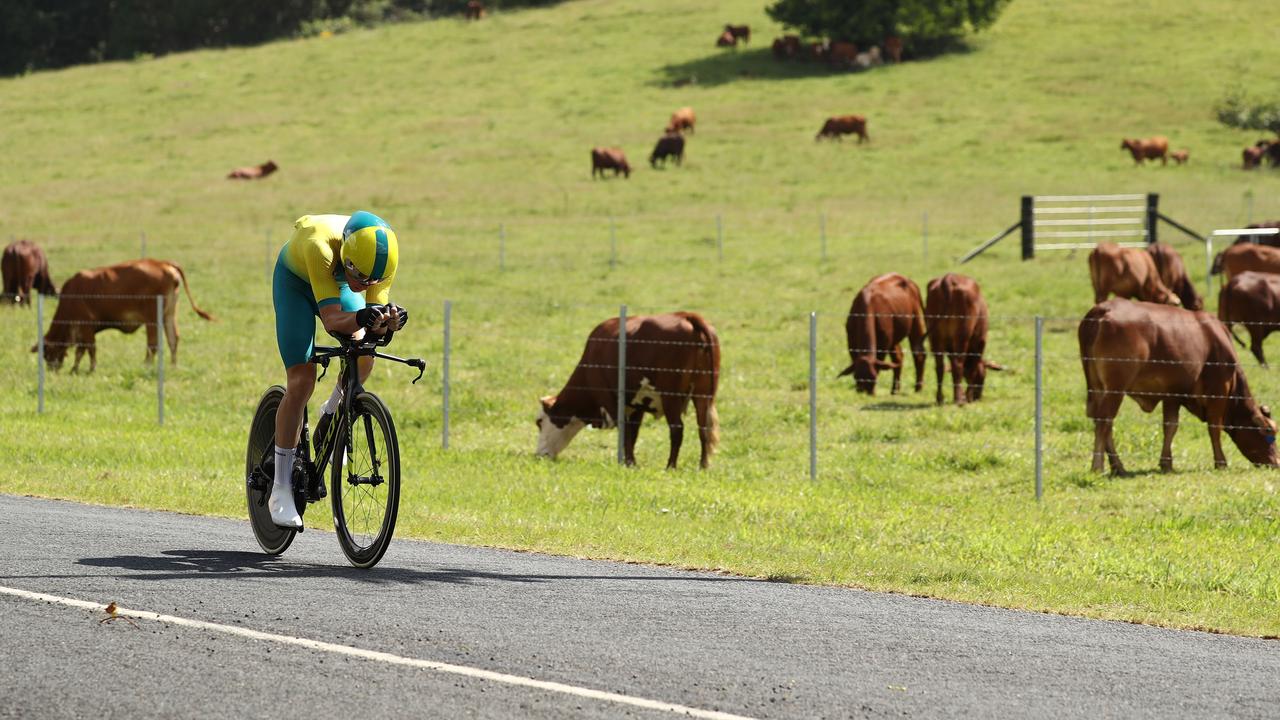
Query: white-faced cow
[[885, 311], [1182, 358], [120, 297], [671, 359], [955, 315]]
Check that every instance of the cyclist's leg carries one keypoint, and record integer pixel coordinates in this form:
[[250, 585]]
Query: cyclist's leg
[[295, 333]]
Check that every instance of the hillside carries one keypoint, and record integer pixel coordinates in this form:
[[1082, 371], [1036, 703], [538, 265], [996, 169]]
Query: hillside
[[450, 130]]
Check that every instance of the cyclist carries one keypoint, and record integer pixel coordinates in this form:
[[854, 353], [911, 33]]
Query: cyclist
[[323, 270]]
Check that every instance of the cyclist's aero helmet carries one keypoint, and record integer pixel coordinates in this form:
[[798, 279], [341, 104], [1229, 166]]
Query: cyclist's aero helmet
[[369, 246]]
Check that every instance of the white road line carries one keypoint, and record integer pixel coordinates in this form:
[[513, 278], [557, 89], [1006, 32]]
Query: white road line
[[382, 657]]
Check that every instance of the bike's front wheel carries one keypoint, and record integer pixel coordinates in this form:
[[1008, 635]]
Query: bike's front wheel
[[259, 474], [365, 481]]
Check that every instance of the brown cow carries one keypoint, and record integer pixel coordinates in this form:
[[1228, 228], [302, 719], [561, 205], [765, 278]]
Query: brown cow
[[609, 159], [1148, 149], [1245, 256], [1180, 156], [669, 145], [884, 312], [1253, 300], [841, 125], [253, 172], [893, 48], [24, 268], [475, 10], [681, 120], [842, 54], [671, 359], [955, 316], [726, 39], [1252, 155], [1272, 151], [122, 297], [740, 32], [786, 47], [1128, 273], [818, 51], [1156, 353], [1174, 275]]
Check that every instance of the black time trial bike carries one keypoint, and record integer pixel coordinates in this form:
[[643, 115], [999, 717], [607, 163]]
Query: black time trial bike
[[359, 447]]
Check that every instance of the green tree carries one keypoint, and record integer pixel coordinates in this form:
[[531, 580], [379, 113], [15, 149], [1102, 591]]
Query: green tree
[[924, 25]]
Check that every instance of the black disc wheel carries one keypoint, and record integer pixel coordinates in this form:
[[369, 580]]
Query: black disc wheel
[[365, 482], [260, 473]]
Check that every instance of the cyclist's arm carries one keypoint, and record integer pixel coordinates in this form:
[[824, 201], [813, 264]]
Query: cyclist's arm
[[337, 320]]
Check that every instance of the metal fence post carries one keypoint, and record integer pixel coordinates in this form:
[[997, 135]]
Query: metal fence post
[[143, 243], [1026, 218], [40, 352], [1039, 407], [622, 384], [502, 246], [444, 371], [813, 396], [822, 223], [1208, 267], [160, 357]]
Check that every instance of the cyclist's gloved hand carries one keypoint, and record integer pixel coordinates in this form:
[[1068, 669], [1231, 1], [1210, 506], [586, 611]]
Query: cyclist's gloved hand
[[369, 317], [397, 312]]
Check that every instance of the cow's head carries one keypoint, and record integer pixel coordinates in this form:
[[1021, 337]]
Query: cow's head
[[54, 352], [269, 167], [1250, 426], [976, 378], [555, 430], [865, 369], [1128, 144]]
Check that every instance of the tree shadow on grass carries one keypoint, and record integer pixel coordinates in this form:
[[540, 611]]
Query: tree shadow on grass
[[729, 66]]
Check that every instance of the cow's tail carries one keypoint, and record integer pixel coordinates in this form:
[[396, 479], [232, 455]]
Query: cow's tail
[[44, 283], [1216, 269], [707, 381], [187, 287], [1224, 314]]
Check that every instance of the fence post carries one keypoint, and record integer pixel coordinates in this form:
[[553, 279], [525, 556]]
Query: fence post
[[823, 225], [502, 246], [813, 396], [622, 384], [444, 371], [160, 357], [1208, 267], [40, 352], [1039, 406], [719, 239], [1153, 217], [613, 244], [1028, 228], [143, 243]]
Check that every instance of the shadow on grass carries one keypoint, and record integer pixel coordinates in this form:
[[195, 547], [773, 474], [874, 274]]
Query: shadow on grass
[[897, 405], [216, 564]]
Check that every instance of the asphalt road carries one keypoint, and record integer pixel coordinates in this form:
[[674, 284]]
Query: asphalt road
[[702, 641]]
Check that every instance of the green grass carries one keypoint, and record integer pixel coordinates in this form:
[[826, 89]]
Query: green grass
[[448, 130]]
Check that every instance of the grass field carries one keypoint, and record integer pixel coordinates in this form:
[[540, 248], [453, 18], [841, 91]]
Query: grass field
[[450, 130]]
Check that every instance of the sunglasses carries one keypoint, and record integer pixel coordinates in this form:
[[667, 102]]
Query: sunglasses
[[359, 276]]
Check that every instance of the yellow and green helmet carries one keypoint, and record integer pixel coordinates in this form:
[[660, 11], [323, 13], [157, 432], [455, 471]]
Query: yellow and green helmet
[[369, 246]]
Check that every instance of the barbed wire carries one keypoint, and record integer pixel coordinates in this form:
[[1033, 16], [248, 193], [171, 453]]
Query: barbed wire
[[1193, 396]]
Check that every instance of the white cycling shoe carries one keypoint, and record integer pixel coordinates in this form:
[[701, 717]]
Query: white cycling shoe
[[283, 511]]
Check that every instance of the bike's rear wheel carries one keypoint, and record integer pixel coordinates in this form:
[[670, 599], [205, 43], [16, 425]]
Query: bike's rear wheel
[[259, 474], [365, 482]]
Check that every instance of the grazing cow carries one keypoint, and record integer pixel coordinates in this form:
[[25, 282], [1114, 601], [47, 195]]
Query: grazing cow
[[25, 268], [1156, 353], [1148, 149], [1128, 273], [1252, 155], [122, 297], [955, 316], [1174, 275], [671, 359], [669, 145], [786, 47], [884, 312], [739, 32], [893, 48], [609, 159], [253, 172], [681, 120], [1253, 300], [819, 51], [726, 39], [1244, 256], [842, 54], [475, 10], [1180, 156], [868, 59], [839, 126], [1269, 240]]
